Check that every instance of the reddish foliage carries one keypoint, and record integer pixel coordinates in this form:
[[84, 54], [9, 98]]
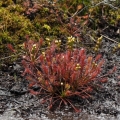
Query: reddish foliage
[[61, 75], [10, 47], [104, 80]]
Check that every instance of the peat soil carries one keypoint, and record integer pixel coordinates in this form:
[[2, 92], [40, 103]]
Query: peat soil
[[16, 103]]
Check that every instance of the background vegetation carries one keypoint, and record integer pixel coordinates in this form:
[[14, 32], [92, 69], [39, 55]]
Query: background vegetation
[[82, 19]]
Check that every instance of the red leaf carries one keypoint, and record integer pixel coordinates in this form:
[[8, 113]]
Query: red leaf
[[50, 88], [45, 69], [27, 71], [54, 68], [50, 107], [24, 63], [77, 35], [59, 70], [85, 96], [104, 80], [82, 61], [77, 110], [85, 16], [68, 55], [10, 47], [98, 57], [52, 78], [46, 83], [88, 65], [29, 78], [89, 89], [75, 52], [72, 21], [82, 52], [94, 75], [85, 23], [100, 63], [73, 77], [41, 41], [41, 57], [52, 47], [118, 77], [68, 93], [31, 84], [42, 101], [113, 70]]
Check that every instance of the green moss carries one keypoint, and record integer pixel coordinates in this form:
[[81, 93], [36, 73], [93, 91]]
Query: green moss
[[14, 26], [50, 21], [6, 3]]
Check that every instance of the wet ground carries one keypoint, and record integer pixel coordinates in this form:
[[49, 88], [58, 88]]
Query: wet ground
[[16, 103]]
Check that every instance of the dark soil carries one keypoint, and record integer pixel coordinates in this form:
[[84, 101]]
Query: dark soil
[[17, 103]]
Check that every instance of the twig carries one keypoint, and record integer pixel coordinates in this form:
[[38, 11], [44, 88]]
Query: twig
[[91, 37], [9, 56], [77, 12], [6, 95], [106, 3], [102, 2], [109, 39]]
